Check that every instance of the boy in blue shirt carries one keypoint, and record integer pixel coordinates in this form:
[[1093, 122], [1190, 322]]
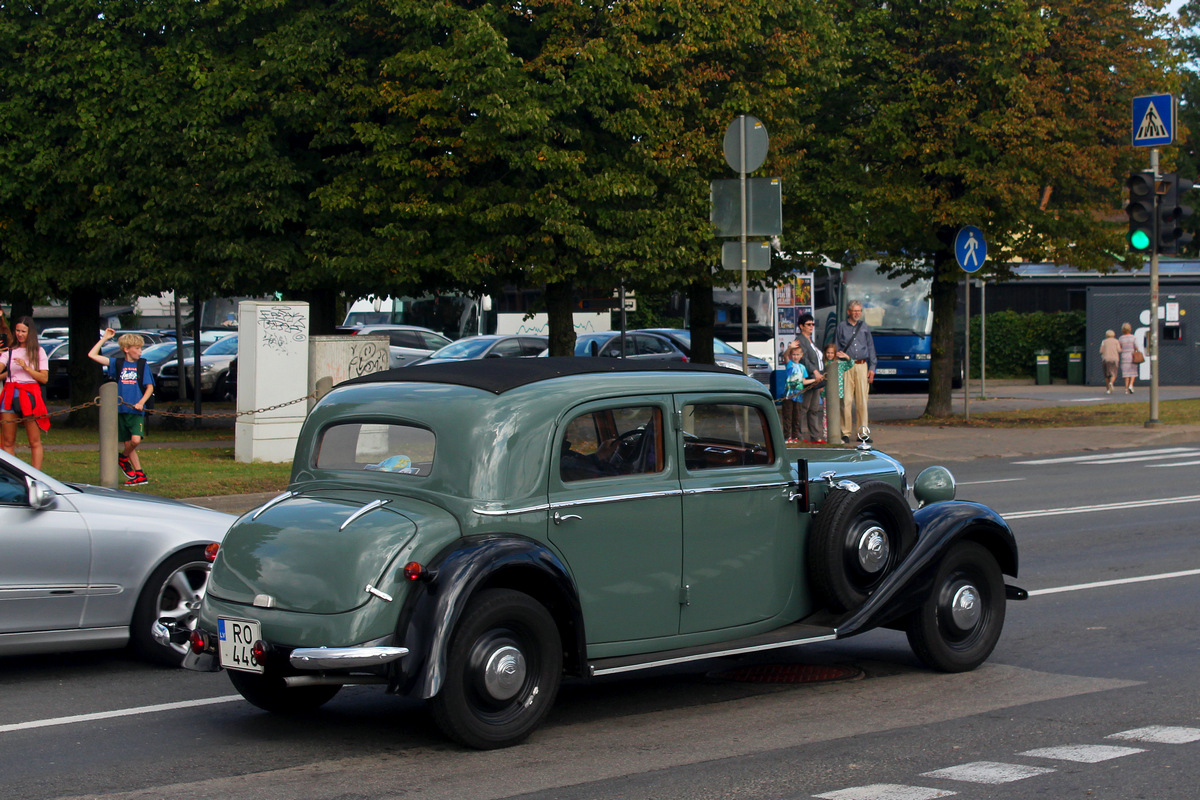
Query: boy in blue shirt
[[135, 386]]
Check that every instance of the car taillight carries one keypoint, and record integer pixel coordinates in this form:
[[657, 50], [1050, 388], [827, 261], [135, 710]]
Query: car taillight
[[413, 571], [259, 651], [198, 641], [685, 359], [210, 552]]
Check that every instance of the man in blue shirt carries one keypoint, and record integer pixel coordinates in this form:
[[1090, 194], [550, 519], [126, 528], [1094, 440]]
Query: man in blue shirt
[[854, 343]]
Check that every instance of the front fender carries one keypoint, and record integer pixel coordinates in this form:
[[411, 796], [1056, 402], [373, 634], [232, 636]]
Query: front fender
[[939, 526], [431, 613]]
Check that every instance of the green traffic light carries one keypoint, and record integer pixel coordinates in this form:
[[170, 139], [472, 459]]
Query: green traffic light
[[1139, 240]]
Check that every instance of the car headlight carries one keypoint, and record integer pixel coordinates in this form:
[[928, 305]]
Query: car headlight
[[207, 367]]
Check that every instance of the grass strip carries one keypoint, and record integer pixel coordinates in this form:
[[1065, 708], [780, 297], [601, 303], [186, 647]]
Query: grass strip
[[1171, 412]]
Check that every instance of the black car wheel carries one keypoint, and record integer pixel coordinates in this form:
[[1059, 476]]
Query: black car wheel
[[270, 693], [957, 627], [857, 539], [174, 591], [504, 667]]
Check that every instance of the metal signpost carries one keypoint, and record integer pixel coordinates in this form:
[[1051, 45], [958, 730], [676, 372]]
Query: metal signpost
[[745, 145], [970, 251], [1154, 125]]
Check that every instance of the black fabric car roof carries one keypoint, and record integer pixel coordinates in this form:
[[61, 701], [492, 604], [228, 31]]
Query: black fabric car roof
[[498, 375]]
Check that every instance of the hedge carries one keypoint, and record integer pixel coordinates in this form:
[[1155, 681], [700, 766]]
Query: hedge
[[1013, 341]]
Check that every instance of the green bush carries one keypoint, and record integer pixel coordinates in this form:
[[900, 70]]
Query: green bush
[[1013, 340]]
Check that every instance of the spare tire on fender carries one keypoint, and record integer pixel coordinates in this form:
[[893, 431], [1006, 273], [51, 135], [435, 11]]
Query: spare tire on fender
[[856, 541]]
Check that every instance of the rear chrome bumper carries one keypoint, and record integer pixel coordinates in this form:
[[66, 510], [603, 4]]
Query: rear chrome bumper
[[317, 658]]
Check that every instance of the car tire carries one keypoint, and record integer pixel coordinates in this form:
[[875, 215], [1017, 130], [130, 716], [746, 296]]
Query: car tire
[[220, 390], [856, 540], [957, 627], [503, 670], [174, 590], [270, 693]]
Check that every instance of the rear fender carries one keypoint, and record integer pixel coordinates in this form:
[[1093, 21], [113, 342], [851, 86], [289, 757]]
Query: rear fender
[[939, 527], [469, 565]]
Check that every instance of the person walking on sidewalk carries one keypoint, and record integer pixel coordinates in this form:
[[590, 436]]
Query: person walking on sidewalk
[[812, 423], [854, 343], [1110, 357], [24, 371], [135, 386], [1131, 357]]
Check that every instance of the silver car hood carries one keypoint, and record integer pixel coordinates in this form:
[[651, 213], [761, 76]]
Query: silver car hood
[[98, 500]]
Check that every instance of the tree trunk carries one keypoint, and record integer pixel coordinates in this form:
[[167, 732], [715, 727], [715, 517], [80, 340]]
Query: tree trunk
[[83, 375], [322, 310], [560, 308], [946, 276], [22, 306], [701, 316]]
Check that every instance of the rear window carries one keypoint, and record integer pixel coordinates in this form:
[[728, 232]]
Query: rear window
[[376, 447]]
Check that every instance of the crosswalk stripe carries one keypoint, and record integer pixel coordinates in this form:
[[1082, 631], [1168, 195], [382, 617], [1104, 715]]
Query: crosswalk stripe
[[991, 772], [1103, 456], [1131, 459], [1051, 512], [1159, 734], [1177, 464], [1083, 753], [886, 791]]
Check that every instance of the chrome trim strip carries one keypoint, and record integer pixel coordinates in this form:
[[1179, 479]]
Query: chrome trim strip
[[367, 509], [344, 657], [744, 488], [718, 654], [274, 501], [590, 501], [508, 512]]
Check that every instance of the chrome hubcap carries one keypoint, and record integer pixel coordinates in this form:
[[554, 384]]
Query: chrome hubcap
[[504, 672], [964, 607], [873, 549]]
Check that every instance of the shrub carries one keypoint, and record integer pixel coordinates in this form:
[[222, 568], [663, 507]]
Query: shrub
[[1013, 341]]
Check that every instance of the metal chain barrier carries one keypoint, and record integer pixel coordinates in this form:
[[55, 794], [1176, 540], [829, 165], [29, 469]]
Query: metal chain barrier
[[95, 401]]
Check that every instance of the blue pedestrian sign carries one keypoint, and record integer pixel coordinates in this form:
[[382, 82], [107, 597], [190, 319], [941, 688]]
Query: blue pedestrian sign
[[1153, 120], [970, 248]]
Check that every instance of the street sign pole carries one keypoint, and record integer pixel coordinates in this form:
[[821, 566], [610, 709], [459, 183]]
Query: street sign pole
[[1152, 337], [967, 353], [982, 339], [745, 255], [970, 251]]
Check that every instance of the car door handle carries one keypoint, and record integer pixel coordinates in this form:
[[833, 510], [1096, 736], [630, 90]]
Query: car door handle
[[559, 519]]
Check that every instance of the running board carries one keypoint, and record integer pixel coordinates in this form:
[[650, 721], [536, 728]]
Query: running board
[[787, 636]]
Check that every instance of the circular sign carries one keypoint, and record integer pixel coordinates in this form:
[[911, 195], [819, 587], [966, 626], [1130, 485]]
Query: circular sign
[[747, 131], [970, 248]]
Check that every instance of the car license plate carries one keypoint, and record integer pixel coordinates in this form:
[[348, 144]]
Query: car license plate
[[235, 637], [885, 372]]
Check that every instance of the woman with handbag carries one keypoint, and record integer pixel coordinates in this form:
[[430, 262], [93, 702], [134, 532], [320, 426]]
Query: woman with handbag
[[25, 369], [1131, 357]]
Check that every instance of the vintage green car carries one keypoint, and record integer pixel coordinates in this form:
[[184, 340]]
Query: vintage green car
[[472, 533]]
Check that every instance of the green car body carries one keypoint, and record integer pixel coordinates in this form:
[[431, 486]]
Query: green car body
[[469, 533]]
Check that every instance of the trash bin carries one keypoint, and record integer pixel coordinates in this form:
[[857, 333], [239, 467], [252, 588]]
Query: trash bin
[[1075, 366], [1043, 367]]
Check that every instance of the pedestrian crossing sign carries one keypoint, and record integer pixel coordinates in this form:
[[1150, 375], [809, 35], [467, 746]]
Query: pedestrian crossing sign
[[1153, 120]]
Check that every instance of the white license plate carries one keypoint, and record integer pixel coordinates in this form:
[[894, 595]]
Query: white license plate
[[235, 637], [885, 372]]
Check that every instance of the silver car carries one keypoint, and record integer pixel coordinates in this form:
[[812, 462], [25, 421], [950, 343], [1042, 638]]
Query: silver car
[[88, 568], [407, 344]]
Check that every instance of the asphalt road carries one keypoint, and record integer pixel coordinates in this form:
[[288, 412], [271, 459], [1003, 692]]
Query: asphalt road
[[1089, 693]]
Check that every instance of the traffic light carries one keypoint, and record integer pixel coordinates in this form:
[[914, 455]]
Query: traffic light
[[1172, 213], [1141, 211]]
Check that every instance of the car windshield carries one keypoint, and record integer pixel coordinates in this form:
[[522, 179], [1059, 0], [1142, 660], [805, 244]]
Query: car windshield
[[719, 346], [159, 351], [465, 348], [225, 347], [382, 447], [584, 343]]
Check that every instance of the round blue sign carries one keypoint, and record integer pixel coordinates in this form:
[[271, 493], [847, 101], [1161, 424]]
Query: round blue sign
[[970, 248]]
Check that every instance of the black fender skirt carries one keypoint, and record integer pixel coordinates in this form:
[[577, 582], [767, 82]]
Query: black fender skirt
[[431, 613]]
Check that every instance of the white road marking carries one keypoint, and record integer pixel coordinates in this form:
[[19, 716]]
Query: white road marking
[[1132, 459], [997, 480], [1103, 456], [886, 791], [1176, 464], [1051, 512], [1083, 753], [121, 712], [1089, 399], [991, 772], [1159, 734], [1118, 582]]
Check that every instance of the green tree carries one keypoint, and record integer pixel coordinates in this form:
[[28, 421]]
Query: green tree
[[1010, 116]]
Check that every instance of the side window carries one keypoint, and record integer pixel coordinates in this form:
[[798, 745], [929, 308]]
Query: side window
[[612, 441], [650, 345], [404, 339], [532, 347], [12, 489], [721, 435], [509, 348]]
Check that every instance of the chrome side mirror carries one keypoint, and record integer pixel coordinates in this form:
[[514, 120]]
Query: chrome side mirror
[[39, 495]]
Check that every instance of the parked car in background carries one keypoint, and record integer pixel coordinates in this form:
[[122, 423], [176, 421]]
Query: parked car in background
[[406, 343], [158, 355], [637, 346], [214, 365], [58, 385], [88, 568], [471, 533], [488, 346], [723, 354]]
